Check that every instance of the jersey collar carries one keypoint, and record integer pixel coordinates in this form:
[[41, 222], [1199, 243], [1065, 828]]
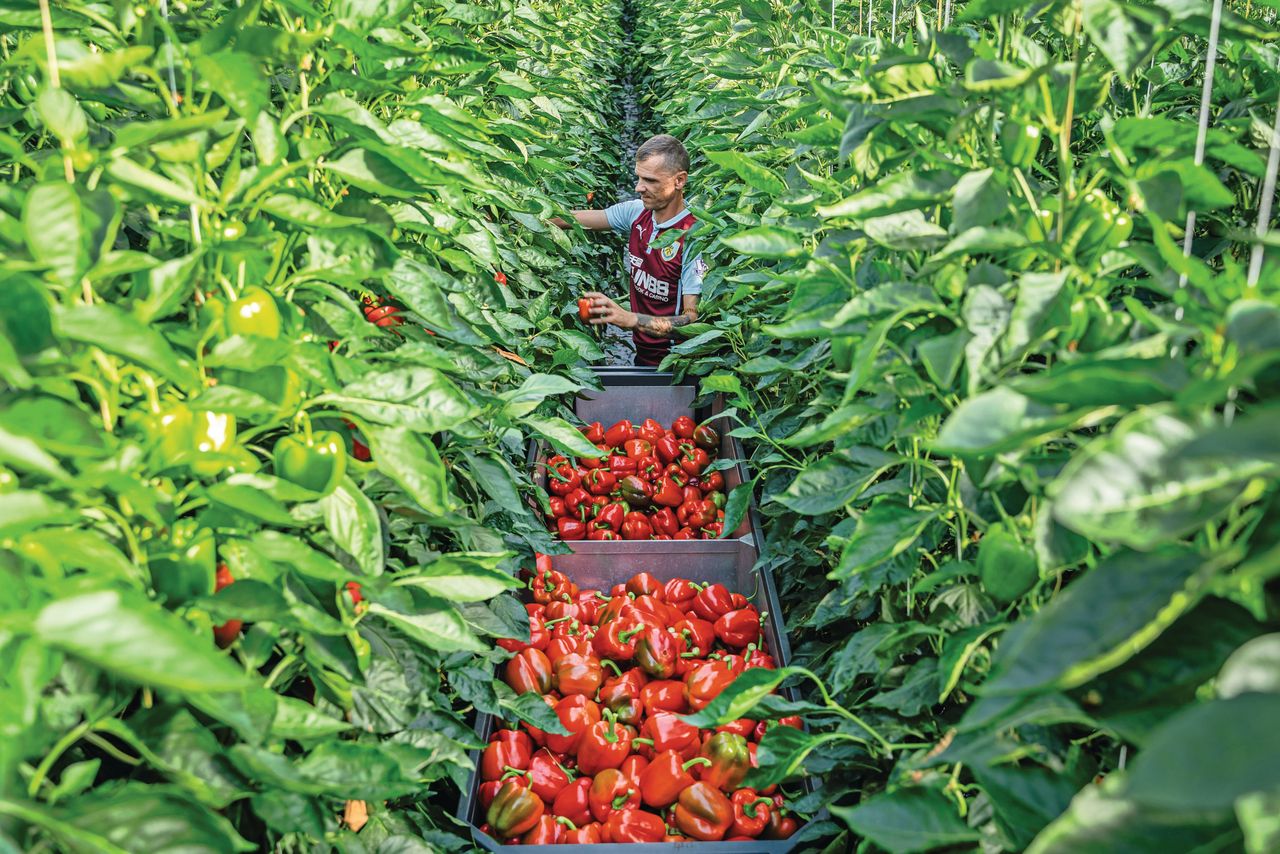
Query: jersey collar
[[661, 225]]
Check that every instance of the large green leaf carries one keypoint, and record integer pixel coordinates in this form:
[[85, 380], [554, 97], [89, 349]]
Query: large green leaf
[[416, 398], [907, 820]]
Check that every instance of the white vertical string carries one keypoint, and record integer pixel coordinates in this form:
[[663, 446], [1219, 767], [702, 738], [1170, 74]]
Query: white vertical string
[[893, 26], [833, 14], [871, 16], [1210, 59], [1264, 202], [946, 17], [173, 80]]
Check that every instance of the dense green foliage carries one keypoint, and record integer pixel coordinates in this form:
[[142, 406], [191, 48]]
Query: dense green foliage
[[1018, 482]]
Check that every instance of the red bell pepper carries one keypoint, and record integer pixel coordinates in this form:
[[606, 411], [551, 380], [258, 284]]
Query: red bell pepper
[[548, 585], [651, 430], [699, 634], [712, 482], [705, 683], [578, 674], [780, 826], [611, 791], [562, 479], [568, 645], [738, 628], [558, 508], [678, 592], [636, 527], [546, 776], [538, 636], [730, 761], [577, 713], [587, 834], [605, 744], [637, 448], [579, 504], [667, 492], [683, 427], [571, 529], [594, 432], [633, 825], [751, 813], [619, 433], [514, 811], [713, 602], [600, 481], [509, 748], [648, 467], [617, 639], [757, 657], [664, 521], [666, 449], [632, 767], [621, 689], [668, 731], [621, 466], [643, 584], [713, 531], [656, 652], [611, 516], [703, 812], [665, 695], [571, 801], [546, 832], [744, 727], [706, 438], [602, 535], [529, 670], [652, 610], [694, 461], [686, 534], [739, 601], [589, 605], [666, 777]]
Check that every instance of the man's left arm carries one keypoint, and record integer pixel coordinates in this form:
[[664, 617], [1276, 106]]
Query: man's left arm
[[605, 310]]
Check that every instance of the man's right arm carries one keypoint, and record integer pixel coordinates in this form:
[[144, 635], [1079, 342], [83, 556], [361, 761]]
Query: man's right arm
[[590, 220]]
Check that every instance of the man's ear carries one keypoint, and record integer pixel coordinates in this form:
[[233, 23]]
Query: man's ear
[[681, 178]]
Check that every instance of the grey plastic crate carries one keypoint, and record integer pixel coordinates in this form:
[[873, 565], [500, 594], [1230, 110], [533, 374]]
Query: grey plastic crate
[[637, 394], [727, 562]]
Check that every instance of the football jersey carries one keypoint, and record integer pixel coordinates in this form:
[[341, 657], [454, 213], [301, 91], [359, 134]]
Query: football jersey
[[661, 277]]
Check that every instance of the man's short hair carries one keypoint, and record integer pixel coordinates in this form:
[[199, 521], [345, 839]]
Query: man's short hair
[[670, 149]]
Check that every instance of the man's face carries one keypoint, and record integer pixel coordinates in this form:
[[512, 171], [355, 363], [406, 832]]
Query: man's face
[[656, 183]]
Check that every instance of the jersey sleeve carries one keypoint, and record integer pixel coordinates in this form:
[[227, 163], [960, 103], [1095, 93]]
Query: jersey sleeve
[[622, 215], [691, 275]]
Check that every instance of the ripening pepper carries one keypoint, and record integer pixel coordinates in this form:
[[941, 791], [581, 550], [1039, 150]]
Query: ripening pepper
[[635, 492], [704, 683], [666, 777], [611, 790], [744, 727], [571, 801], [618, 434], [515, 810], [703, 812], [509, 748], [633, 825], [738, 628], [618, 691], [751, 813], [780, 826], [226, 633], [706, 438], [656, 652], [577, 674], [730, 761], [605, 744], [586, 834], [577, 713], [529, 670], [315, 461]]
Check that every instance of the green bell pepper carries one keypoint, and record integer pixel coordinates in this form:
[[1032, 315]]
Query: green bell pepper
[[254, 313], [316, 461]]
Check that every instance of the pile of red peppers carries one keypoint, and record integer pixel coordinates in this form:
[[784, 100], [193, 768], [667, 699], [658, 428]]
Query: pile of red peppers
[[621, 669], [650, 483]]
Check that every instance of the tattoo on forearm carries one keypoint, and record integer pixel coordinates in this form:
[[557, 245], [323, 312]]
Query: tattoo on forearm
[[661, 327]]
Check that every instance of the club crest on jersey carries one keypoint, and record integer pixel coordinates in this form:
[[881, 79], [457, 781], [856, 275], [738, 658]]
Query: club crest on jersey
[[669, 252]]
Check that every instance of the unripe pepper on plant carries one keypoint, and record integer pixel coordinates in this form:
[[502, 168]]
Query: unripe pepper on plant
[[254, 313], [315, 461]]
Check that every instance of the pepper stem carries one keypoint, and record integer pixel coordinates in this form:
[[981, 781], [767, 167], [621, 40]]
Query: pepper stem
[[602, 597], [612, 665], [648, 741], [751, 809], [619, 800], [697, 760], [557, 620], [611, 732], [569, 824], [513, 772], [628, 634]]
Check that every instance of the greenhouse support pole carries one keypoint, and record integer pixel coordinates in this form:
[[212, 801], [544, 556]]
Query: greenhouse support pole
[[893, 24], [1264, 203]]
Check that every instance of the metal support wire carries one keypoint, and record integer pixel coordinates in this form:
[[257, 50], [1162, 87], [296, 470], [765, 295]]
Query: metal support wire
[[893, 25], [871, 15], [1211, 57], [1264, 202]]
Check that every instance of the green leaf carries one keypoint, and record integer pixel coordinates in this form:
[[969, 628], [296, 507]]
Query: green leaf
[[373, 173], [885, 530], [157, 817], [1134, 486], [739, 697], [434, 623], [907, 820], [351, 518], [1003, 420], [753, 173], [303, 211], [835, 480], [116, 331], [1255, 666], [131, 173], [1099, 622], [462, 577], [1123, 32], [1209, 755], [764, 242], [735, 509], [416, 398], [1106, 382], [563, 435], [66, 228], [899, 192], [26, 510], [237, 80], [415, 464], [979, 200], [61, 114], [535, 389], [531, 708], [129, 636]]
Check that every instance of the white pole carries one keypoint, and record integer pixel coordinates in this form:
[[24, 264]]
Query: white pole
[[893, 26], [1264, 202]]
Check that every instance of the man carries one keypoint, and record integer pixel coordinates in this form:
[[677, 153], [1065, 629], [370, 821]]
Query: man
[[664, 284]]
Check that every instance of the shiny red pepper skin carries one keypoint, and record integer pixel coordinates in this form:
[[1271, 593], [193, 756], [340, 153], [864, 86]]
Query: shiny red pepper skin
[[515, 810], [667, 492], [744, 727], [632, 767], [636, 492], [712, 482], [621, 466], [780, 826], [586, 834], [666, 695], [529, 670], [539, 637], [594, 433], [668, 731], [620, 690], [656, 652], [759, 658], [751, 813], [706, 438], [571, 529], [637, 448], [694, 461], [611, 516], [683, 427], [611, 791], [571, 802], [616, 639], [699, 634], [730, 760], [633, 825], [667, 449], [563, 479], [546, 776], [605, 744], [664, 521], [507, 749], [578, 674], [558, 508], [738, 628], [651, 430], [579, 503], [562, 646], [666, 777], [600, 482], [679, 592], [577, 713], [703, 812], [636, 527], [546, 832], [618, 434], [703, 684], [713, 602], [643, 584]]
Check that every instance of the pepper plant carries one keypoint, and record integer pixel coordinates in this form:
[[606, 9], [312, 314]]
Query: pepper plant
[[1014, 451]]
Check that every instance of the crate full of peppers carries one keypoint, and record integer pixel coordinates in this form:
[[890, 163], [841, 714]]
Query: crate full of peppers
[[650, 483], [621, 669]]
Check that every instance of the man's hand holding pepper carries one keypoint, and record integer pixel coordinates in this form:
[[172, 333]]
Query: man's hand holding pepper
[[605, 310]]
